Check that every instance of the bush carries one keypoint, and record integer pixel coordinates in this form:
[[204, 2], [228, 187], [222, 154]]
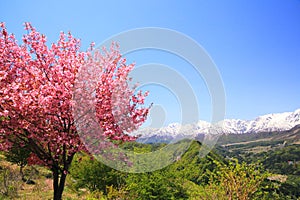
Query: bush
[[155, 185], [9, 182], [238, 181], [93, 175]]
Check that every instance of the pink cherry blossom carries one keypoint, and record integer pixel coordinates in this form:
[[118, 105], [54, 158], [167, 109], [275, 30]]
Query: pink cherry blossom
[[37, 96]]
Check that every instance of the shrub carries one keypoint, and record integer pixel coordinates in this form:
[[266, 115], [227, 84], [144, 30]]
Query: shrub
[[9, 182]]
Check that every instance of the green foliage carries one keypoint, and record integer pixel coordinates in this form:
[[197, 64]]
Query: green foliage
[[91, 174], [168, 183], [270, 190], [238, 180], [283, 161], [180, 180], [155, 185], [18, 156], [116, 193], [193, 167], [9, 182], [282, 157], [96, 195], [291, 187], [189, 177]]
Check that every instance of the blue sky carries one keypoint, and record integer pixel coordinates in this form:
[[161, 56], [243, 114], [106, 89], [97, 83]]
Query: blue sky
[[255, 45]]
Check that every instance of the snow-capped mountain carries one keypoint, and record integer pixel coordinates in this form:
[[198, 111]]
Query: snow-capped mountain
[[265, 123]]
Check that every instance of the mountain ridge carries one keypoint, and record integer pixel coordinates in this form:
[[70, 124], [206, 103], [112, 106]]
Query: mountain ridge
[[265, 123]]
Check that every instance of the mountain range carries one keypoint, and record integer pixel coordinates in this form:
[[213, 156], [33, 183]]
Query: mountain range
[[175, 131]]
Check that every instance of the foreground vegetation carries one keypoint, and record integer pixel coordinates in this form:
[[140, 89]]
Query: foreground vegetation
[[190, 177]]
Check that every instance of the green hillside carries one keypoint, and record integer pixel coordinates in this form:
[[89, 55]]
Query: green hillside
[[222, 174], [279, 153]]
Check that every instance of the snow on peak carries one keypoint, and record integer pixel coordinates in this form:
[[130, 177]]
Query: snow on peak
[[265, 123]]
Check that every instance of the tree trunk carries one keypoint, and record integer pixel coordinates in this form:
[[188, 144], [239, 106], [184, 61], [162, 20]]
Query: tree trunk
[[21, 172], [61, 185], [59, 178], [56, 195], [58, 184]]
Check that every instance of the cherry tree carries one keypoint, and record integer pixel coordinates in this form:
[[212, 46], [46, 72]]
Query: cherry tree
[[40, 90]]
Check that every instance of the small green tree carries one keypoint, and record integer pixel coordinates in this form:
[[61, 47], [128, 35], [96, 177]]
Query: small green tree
[[18, 156], [9, 183], [160, 184], [238, 180], [95, 176]]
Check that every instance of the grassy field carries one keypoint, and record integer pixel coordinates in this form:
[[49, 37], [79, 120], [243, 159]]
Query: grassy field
[[12, 186]]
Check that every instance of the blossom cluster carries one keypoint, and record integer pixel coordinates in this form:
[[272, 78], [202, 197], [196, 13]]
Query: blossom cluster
[[42, 87]]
